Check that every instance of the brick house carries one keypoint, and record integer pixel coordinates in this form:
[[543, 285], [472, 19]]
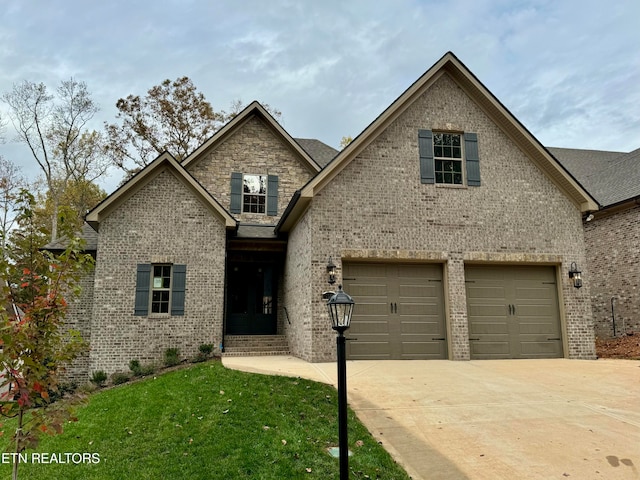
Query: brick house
[[612, 234], [452, 227]]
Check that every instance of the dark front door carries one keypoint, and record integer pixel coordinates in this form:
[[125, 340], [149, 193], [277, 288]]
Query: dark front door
[[251, 297]]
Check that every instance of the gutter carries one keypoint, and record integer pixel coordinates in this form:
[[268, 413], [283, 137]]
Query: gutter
[[287, 211]]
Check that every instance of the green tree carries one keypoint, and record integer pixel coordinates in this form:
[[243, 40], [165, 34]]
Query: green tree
[[55, 129], [344, 141], [36, 345]]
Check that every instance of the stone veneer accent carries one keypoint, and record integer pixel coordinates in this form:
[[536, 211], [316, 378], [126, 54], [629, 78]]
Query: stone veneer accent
[[163, 222], [252, 149], [613, 246], [377, 205]]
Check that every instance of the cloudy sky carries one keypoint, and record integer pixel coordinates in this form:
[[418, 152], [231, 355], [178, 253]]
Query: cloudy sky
[[568, 70]]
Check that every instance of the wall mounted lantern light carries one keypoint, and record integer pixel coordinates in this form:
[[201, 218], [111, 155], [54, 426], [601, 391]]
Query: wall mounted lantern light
[[575, 275], [331, 271]]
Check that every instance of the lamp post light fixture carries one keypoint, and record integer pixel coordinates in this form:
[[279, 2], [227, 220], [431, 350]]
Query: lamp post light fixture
[[331, 271], [575, 275], [340, 307]]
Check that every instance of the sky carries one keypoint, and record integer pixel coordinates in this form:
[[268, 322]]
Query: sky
[[568, 70]]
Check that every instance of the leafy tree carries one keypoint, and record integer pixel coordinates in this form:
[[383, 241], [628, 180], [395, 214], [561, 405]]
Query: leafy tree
[[55, 128], [172, 117], [36, 345], [344, 141]]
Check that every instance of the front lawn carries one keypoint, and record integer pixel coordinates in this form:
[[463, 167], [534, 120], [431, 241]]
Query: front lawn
[[207, 422]]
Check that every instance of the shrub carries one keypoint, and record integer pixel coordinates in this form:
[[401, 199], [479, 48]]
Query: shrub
[[171, 357], [119, 377], [206, 348], [134, 366], [147, 369], [200, 357], [99, 377]]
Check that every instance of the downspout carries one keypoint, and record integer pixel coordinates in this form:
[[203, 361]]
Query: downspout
[[613, 316]]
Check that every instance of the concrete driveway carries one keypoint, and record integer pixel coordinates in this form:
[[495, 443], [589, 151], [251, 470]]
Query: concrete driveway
[[491, 419]]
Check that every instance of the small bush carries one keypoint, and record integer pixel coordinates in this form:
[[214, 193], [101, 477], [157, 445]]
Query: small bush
[[206, 348], [200, 357], [147, 369], [99, 377], [134, 366], [119, 377], [141, 370], [171, 357]]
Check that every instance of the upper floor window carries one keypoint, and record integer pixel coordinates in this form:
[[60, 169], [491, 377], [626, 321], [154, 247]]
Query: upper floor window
[[447, 152], [254, 193], [449, 158]]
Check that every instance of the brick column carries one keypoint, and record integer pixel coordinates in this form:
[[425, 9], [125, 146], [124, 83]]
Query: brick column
[[458, 322]]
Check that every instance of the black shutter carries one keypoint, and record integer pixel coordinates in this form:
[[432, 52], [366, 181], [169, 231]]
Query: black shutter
[[472, 159], [236, 193], [425, 147], [272, 195], [143, 283], [178, 288]]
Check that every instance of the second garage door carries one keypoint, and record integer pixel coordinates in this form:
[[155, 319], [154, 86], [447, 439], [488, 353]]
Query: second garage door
[[399, 312], [513, 312]]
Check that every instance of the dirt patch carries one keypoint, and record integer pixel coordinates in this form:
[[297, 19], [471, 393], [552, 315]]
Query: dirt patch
[[625, 346]]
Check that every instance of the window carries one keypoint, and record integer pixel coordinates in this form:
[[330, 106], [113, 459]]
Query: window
[[449, 158], [160, 289], [447, 153], [254, 193], [251, 193]]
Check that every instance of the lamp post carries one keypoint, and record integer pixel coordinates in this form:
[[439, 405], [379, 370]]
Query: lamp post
[[340, 307]]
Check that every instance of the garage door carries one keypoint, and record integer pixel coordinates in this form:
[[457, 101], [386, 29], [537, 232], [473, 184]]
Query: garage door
[[513, 312], [399, 311]]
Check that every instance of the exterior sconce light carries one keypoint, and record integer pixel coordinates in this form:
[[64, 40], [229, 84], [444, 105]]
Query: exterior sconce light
[[575, 275], [331, 271], [340, 306]]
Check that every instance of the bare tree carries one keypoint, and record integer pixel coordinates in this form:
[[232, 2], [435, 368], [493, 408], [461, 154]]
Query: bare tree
[[55, 128], [11, 182]]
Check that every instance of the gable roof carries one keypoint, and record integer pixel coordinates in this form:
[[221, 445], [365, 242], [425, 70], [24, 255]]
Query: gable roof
[[253, 109], [319, 151], [87, 233], [162, 163], [611, 177], [492, 107]]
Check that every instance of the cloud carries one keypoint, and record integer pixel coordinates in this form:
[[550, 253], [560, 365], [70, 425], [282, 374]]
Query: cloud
[[569, 71]]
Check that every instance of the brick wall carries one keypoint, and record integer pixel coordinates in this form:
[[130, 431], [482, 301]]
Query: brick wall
[[163, 222], [378, 206], [613, 247], [78, 318], [252, 149], [297, 289]]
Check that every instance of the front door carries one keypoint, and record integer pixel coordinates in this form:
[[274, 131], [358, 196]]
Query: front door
[[251, 299]]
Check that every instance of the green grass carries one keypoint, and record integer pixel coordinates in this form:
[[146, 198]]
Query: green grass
[[208, 422]]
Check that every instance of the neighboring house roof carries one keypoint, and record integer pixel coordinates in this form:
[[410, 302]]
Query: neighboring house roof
[[510, 125], [611, 177], [258, 110], [319, 151], [89, 235], [142, 178]]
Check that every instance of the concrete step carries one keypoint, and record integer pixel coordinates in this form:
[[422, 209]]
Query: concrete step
[[254, 345]]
